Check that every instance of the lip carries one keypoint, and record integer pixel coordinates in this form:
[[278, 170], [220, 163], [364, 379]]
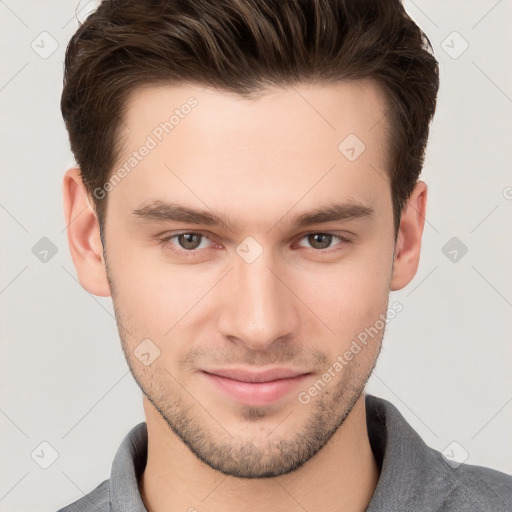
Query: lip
[[256, 388]]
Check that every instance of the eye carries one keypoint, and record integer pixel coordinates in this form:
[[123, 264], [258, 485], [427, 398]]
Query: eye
[[188, 241], [322, 241]]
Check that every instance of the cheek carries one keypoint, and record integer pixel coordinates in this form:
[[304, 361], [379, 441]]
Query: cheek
[[352, 294], [158, 297]]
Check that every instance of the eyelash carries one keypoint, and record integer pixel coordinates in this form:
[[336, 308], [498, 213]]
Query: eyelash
[[166, 241]]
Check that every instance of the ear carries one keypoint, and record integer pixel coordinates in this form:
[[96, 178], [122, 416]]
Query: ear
[[84, 235], [408, 245]]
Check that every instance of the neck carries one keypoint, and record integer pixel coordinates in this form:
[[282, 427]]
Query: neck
[[343, 475]]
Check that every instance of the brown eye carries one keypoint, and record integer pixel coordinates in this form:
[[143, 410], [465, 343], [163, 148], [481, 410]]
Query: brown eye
[[324, 242], [320, 240], [189, 241], [186, 243]]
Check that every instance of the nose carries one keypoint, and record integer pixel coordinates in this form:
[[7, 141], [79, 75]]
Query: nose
[[259, 308]]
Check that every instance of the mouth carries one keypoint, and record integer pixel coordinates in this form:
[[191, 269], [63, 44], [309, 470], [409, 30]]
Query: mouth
[[256, 388]]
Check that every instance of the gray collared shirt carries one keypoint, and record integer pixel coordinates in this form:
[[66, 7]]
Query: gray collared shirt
[[413, 478]]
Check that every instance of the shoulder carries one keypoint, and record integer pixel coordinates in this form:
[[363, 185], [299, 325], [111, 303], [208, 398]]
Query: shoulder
[[415, 476], [478, 489], [98, 500]]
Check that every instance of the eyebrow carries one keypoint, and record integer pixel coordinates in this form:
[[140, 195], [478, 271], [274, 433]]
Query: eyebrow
[[161, 211]]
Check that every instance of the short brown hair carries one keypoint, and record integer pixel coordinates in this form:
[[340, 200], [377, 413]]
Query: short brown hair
[[244, 46]]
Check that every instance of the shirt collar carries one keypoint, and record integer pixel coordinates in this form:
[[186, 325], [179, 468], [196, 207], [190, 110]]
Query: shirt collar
[[127, 468], [413, 475], [408, 466]]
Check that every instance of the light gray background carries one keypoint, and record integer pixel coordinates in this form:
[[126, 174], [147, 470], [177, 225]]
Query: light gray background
[[446, 357]]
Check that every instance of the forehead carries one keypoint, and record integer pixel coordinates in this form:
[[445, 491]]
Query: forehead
[[324, 112], [295, 144]]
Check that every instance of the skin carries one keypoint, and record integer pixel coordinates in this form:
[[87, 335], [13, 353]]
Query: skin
[[258, 163]]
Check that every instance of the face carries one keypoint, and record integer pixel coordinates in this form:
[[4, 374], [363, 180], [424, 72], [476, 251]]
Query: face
[[259, 288]]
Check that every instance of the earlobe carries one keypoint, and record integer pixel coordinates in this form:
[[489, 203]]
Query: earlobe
[[84, 235], [408, 245]]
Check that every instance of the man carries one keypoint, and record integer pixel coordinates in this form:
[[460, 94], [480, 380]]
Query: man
[[247, 192]]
